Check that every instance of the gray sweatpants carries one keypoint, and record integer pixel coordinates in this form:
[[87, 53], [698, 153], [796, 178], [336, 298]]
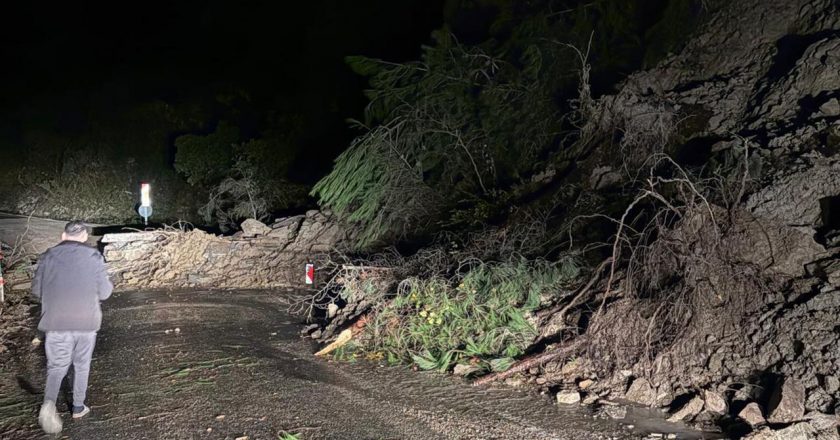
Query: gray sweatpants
[[63, 349]]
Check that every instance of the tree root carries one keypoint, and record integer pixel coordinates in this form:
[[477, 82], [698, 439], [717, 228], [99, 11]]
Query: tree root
[[534, 361]]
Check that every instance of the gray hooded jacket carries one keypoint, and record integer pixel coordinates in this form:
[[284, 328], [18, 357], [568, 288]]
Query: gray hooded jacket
[[70, 281]]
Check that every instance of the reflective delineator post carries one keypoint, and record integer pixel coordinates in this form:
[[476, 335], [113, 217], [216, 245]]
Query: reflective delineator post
[[310, 273], [2, 284], [145, 209]]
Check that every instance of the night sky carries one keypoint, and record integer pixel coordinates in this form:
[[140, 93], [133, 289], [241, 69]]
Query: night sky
[[68, 63]]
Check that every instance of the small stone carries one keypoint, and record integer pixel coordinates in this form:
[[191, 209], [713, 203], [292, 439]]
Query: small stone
[[244, 437], [209, 430], [177, 330], [590, 399], [464, 369], [615, 412], [332, 309], [585, 384], [568, 397], [220, 417], [167, 331], [36, 341], [689, 411], [752, 415]]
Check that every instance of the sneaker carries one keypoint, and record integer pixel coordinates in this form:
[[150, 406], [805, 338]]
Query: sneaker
[[80, 411], [48, 418]]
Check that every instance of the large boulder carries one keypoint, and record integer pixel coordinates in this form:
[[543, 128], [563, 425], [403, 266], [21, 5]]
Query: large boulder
[[787, 404], [689, 411], [641, 392]]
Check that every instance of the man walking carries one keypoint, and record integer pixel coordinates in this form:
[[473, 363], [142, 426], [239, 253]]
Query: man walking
[[70, 281]]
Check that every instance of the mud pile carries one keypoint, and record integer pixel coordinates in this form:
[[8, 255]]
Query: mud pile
[[260, 256]]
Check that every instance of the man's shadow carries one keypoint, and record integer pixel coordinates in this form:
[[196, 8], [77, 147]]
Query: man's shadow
[[65, 392]]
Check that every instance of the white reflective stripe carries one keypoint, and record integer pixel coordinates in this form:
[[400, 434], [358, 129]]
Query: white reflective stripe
[[145, 194], [310, 272]]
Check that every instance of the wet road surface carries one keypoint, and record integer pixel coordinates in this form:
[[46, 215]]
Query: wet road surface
[[225, 365]]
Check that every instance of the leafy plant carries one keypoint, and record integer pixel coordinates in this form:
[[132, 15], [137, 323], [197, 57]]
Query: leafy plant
[[479, 317]]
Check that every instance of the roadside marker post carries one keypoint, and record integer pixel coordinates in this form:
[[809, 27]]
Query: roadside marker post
[[145, 209], [2, 283], [310, 273]]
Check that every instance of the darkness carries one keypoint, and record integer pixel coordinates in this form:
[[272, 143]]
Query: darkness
[[69, 64]]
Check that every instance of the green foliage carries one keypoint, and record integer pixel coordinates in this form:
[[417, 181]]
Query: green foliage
[[456, 127], [482, 319], [205, 159], [83, 188]]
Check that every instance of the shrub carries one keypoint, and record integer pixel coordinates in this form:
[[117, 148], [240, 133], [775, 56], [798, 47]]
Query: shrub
[[244, 193], [205, 159]]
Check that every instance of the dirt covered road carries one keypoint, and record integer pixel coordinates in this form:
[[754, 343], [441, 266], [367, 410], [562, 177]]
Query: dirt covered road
[[228, 365]]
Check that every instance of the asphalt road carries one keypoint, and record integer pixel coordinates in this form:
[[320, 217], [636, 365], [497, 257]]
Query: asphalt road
[[228, 365]]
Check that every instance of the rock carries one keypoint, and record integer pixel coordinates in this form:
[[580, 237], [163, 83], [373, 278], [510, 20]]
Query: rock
[[831, 107], [22, 286], [752, 415], [590, 399], [464, 370], [332, 309], [715, 403], [641, 392], [787, 404], [309, 329], [689, 411], [615, 412], [585, 384], [832, 384], [568, 397], [604, 177], [253, 228], [818, 427], [286, 229]]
